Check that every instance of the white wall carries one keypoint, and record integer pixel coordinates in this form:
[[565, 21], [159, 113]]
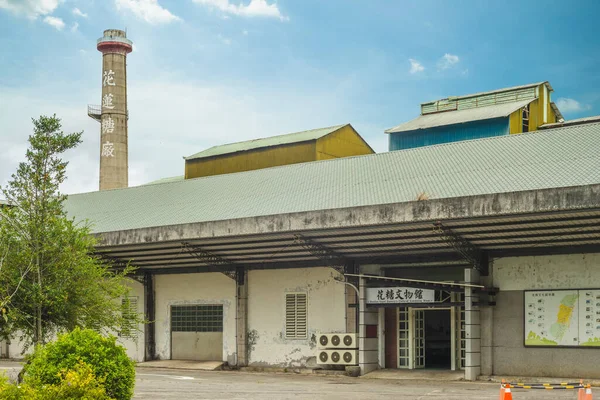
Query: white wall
[[135, 347], [267, 345], [200, 288], [547, 272]]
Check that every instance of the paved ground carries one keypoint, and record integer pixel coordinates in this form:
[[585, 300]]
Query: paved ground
[[157, 383], [187, 385]]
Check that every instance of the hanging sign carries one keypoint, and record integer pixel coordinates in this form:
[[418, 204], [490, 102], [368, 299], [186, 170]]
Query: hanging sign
[[399, 295]]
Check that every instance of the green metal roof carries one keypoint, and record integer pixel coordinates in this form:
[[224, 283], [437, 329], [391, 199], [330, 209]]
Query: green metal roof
[[297, 137], [553, 158], [166, 180]]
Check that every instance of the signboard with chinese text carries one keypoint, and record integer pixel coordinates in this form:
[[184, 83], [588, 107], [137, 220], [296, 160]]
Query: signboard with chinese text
[[562, 318], [399, 295]]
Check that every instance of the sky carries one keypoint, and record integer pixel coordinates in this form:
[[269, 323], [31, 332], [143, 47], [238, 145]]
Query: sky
[[209, 72]]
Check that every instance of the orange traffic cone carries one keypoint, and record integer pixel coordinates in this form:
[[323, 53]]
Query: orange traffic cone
[[588, 393], [505, 393], [581, 391]]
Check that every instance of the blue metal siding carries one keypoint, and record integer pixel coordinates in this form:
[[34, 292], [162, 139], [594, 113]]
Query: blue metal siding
[[449, 133]]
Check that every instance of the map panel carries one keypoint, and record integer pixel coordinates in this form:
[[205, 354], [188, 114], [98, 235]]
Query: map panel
[[552, 318], [589, 317]]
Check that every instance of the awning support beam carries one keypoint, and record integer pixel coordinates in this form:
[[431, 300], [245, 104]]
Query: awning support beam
[[211, 259], [466, 249], [323, 253]]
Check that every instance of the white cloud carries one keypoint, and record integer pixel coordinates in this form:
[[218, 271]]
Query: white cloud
[[29, 8], [415, 66], [225, 40], [148, 10], [245, 32], [256, 8], [74, 26], [448, 61], [567, 105], [55, 22], [79, 13]]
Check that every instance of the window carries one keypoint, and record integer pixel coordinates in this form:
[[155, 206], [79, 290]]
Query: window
[[129, 310], [525, 114], [295, 315], [197, 318]]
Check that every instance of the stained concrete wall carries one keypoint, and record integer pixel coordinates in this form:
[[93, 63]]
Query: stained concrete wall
[[187, 289], [267, 345], [513, 276]]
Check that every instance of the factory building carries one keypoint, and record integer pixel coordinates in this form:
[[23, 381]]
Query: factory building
[[451, 257], [495, 113], [313, 145]]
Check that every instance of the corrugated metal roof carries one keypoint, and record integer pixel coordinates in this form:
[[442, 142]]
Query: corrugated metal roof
[[289, 138], [554, 158], [460, 116], [578, 121], [166, 180], [466, 96]]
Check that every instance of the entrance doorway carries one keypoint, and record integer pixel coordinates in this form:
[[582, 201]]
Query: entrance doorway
[[438, 339], [430, 338]]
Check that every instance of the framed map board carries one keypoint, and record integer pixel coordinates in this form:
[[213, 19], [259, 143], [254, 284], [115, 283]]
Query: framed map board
[[559, 318]]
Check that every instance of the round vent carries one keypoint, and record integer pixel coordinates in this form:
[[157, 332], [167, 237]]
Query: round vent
[[323, 340], [335, 340], [335, 356], [347, 340], [323, 357], [347, 357]]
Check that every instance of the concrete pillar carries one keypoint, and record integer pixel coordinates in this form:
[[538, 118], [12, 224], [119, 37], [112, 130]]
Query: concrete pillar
[[472, 328], [3, 349], [114, 46], [241, 317], [150, 315], [487, 330], [368, 353]]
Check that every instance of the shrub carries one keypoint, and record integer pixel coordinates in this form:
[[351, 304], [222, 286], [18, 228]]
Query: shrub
[[76, 384], [108, 362]]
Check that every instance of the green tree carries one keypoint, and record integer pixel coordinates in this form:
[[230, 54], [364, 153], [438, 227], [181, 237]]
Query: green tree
[[49, 278]]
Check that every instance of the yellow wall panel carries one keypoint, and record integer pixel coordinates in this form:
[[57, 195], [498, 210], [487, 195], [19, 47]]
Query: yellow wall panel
[[345, 142], [516, 122], [535, 115], [251, 160]]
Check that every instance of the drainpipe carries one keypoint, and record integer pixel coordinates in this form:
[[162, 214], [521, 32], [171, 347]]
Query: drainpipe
[[357, 298]]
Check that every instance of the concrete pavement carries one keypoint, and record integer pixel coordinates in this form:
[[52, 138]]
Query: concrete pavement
[[158, 383], [187, 385]]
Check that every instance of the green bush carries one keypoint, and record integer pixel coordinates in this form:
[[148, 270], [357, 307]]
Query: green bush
[[107, 360], [76, 384]]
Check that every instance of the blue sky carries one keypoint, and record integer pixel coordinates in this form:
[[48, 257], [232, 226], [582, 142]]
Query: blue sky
[[207, 72]]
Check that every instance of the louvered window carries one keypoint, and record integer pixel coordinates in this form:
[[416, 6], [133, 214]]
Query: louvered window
[[295, 316], [129, 309]]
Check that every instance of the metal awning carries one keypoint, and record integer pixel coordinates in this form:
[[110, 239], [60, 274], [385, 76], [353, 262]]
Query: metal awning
[[407, 244]]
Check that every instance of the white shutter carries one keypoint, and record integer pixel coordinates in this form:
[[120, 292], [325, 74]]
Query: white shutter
[[301, 310], [296, 316]]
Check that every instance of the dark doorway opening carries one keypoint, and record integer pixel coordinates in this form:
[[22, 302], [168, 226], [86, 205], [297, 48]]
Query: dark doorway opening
[[438, 339]]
